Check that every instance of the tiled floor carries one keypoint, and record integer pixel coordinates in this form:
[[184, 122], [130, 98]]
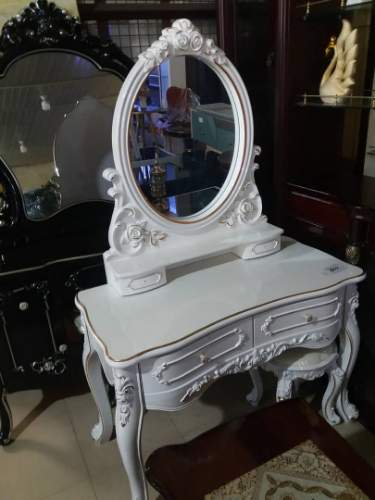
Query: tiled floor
[[54, 457]]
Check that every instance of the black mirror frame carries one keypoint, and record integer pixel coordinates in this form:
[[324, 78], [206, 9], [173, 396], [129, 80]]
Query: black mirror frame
[[44, 27]]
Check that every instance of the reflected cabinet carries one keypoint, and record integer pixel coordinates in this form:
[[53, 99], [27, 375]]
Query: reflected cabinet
[[182, 137]]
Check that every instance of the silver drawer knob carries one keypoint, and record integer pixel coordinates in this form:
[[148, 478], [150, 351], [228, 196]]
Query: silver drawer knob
[[309, 318], [203, 358], [23, 306]]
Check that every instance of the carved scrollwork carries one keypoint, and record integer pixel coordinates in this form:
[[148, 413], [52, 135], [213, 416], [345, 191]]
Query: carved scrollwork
[[265, 328], [198, 386], [130, 232], [247, 208], [117, 190], [284, 388], [42, 23], [252, 359], [181, 37], [353, 305], [124, 397], [158, 372], [350, 409]]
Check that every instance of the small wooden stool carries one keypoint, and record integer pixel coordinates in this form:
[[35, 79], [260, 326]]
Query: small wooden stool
[[192, 470], [308, 364]]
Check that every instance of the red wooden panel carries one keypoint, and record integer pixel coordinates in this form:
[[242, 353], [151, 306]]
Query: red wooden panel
[[317, 211]]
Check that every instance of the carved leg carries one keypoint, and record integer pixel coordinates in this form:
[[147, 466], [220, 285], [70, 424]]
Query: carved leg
[[349, 346], [103, 430], [5, 416], [257, 392], [284, 387], [129, 418], [336, 378]]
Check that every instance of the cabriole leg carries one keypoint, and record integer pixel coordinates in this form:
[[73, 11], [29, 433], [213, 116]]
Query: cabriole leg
[[349, 346], [103, 430], [6, 423], [129, 419], [257, 392], [336, 378], [284, 387]]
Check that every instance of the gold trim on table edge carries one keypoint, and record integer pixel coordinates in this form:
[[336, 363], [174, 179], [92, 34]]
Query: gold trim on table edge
[[139, 354]]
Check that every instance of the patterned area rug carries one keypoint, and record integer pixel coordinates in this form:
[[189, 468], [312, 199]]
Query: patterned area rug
[[302, 473]]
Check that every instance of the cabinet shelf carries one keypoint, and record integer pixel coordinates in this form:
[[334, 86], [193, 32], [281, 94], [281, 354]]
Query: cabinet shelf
[[343, 102], [320, 9]]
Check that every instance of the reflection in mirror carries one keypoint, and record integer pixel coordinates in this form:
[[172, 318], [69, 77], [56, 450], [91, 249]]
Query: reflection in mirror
[[181, 136], [55, 132]]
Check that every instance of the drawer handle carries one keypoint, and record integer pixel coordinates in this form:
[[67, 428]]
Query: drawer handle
[[203, 358], [309, 318]]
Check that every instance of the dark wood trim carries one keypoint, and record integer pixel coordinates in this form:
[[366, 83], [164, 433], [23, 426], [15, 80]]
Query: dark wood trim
[[103, 29], [227, 28], [282, 103], [106, 12], [365, 115]]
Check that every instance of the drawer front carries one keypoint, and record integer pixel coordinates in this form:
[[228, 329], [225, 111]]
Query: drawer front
[[323, 313], [174, 371]]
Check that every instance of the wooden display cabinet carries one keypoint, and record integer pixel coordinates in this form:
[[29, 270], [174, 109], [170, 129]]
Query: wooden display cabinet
[[325, 195], [323, 179]]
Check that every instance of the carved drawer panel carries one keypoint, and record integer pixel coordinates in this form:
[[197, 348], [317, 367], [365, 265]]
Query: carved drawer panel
[[323, 314], [174, 371]]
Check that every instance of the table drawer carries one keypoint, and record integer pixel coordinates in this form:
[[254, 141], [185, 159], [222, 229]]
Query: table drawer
[[323, 313], [180, 367]]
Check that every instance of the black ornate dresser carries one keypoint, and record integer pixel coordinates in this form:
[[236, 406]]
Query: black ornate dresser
[[58, 87]]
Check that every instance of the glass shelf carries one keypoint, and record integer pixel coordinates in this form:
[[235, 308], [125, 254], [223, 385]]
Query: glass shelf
[[311, 11], [345, 102]]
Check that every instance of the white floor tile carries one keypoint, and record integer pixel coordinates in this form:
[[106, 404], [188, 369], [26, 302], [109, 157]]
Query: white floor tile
[[111, 484], [45, 458], [22, 403], [159, 430], [55, 458], [84, 416], [114, 485], [80, 491]]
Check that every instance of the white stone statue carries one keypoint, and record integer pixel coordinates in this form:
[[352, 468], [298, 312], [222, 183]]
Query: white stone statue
[[338, 78]]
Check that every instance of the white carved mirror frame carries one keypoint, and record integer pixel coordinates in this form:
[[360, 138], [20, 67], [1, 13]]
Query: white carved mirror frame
[[143, 242]]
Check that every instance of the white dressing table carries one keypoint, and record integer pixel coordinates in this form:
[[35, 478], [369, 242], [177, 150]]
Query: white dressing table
[[246, 298], [224, 315]]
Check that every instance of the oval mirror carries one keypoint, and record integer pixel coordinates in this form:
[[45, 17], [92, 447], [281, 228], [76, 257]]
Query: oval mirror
[[55, 136], [181, 136]]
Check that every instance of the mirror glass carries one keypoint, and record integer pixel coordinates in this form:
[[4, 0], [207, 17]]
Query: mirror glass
[[181, 136], [55, 130]]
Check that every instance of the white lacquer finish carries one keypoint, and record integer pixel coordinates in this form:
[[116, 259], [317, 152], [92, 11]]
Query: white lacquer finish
[[217, 317], [143, 243], [234, 297], [302, 364], [215, 291]]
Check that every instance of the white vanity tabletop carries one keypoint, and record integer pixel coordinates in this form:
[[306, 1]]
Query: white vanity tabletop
[[202, 294]]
